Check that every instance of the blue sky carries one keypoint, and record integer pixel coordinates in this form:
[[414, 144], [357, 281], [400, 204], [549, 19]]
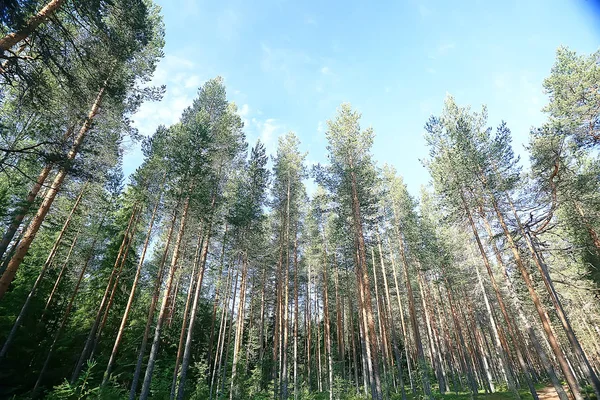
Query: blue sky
[[288, 65]]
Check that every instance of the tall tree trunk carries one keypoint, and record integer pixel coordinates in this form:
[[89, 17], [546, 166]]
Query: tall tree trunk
[[36, 222], [537, 257], [91, 336], [326, 328], [532, 336], [66, 313], [188, 302], [502, 353], [42, 273], [22, 210], [222, 329], [217, 299], [404, 331], [152, 309], [239, 328], [390, 314], [136, 278], [363, 281], [412, 312], [560, 357], [185, 363], [166, 294], [30, 26], [61, 273], [296, 311], [435, 361]]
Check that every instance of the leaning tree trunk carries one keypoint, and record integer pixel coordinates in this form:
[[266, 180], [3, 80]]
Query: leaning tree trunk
[[41, 275], [42, 16], [36, 222], [66, 314], [22, 211], [560, 356]]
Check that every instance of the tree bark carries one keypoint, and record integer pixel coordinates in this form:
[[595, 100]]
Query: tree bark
[[166, 294], [42, 16], [151, 310], [36, 222], [92, 335], [185, 363], [136, 278], [22, 211], [42, 273]]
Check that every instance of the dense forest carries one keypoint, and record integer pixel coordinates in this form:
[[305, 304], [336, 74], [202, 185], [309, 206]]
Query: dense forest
[[211, 273]]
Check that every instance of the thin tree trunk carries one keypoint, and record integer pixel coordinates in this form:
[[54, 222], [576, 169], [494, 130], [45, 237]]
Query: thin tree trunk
[[166, 294], [413, 314], [42, 16], [326, 328], [66, 313], [36, 222], [22, 211], [216, 301], [188, 302], [296, 311], [363, 280], [404, 332], [560, 357], [588, 371], [532, 336], [396, 350], [151, 310], [60, 274], [136, 278], [185, 363], [239, 328], [41, 275], [91, 336]]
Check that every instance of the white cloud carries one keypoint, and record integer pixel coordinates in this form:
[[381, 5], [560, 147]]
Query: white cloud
[[179, 76], [325, 70], [244, 111], [321, 127], [431, 71]]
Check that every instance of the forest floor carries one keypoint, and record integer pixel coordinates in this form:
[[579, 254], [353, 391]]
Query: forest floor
[[545, 392]]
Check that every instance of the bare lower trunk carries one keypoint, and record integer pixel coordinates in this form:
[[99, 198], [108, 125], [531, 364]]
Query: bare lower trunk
[[151, 311], [166, 294], [188, 303], [185, 363], [131, 297], [20, 215], [65, 315], [396, 350], [570, 378], [41, 275], [89, 343]]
